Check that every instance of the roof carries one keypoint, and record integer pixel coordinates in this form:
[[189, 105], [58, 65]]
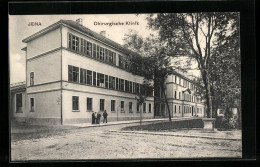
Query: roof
[[20, 86], [83, 29]]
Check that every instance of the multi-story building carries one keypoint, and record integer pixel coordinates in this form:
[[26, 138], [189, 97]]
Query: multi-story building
[[181, 96], [72, 71]]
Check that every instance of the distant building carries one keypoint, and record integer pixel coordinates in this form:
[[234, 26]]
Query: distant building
[[72, 71], [182, 100]]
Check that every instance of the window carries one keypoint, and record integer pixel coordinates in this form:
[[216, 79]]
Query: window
[[144, 107], [179, 109], [83, 46], [150, 108], [122, 106], [98, 52], [114, 57], [94, 78], [126, 86], [32, 104], [175, 94], [73, 74], [100, 80], [102, 104], [122, 84], [174, 108], [121, 61], [117, 84], [82, 76], [73, 42], [19, 102], [180, 95], [111, 82], [102, 53], [89, 49], [137, 88], [31, 78], [75, 103], [130, 107], [131, 87], [89, 77], [106, 56], [94, 50], [89, 104], [113, 104], [180, 81], [106, 81], [137, 107]]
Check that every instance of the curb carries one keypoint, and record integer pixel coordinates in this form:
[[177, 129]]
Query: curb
[[164, 134], [126, 122]]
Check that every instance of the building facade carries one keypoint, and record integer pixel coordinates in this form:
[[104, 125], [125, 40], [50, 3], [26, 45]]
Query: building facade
[[72, 72]]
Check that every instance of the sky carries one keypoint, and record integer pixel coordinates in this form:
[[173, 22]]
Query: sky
[[19, 29]]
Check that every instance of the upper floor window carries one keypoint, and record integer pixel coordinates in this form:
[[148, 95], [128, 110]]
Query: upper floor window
[[73, 42], [150, 108], [31, 78], [121, 61], [82, 76], [73, 73], [89, 77]]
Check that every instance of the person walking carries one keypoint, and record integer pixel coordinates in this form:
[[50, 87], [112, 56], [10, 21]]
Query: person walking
[[98, 118], [94, 118], [105, 116]]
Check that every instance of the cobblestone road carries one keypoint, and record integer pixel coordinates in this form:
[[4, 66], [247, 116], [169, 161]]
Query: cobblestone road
[[100, 143]]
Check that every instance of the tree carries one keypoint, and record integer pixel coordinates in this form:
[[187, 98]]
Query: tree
[[151, 62], [192, 35], [225, 69]]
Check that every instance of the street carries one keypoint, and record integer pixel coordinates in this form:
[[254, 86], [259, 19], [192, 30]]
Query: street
[[102, 143]]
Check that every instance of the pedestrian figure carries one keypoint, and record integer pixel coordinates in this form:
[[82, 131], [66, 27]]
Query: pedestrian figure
[[94, 118], [105, 116], [98, 118]]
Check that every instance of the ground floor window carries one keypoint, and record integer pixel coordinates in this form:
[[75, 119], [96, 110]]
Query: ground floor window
[[89, 104], [32, 104], [75, 103], [19, 102], [174, 108], [122, 106], [150, 108], [137, 107], [113, 104], [102, 104], [144, 107], [130, 107]]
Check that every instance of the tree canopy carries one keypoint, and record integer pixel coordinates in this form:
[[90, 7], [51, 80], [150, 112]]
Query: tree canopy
[[194, 35]]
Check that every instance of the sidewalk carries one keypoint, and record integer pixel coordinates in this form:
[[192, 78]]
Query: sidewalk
[[83, 125]]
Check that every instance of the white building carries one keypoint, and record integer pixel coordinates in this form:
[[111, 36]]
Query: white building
[[72, 71]]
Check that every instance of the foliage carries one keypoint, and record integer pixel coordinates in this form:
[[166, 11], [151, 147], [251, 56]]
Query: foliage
[[193, 35], [151, 62]]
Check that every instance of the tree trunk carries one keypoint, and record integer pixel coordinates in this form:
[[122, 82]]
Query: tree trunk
[[208, 94], [169, 113]]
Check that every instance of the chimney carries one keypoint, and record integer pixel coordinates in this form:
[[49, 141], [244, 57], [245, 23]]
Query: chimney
[[103, 33], [79, 20]]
